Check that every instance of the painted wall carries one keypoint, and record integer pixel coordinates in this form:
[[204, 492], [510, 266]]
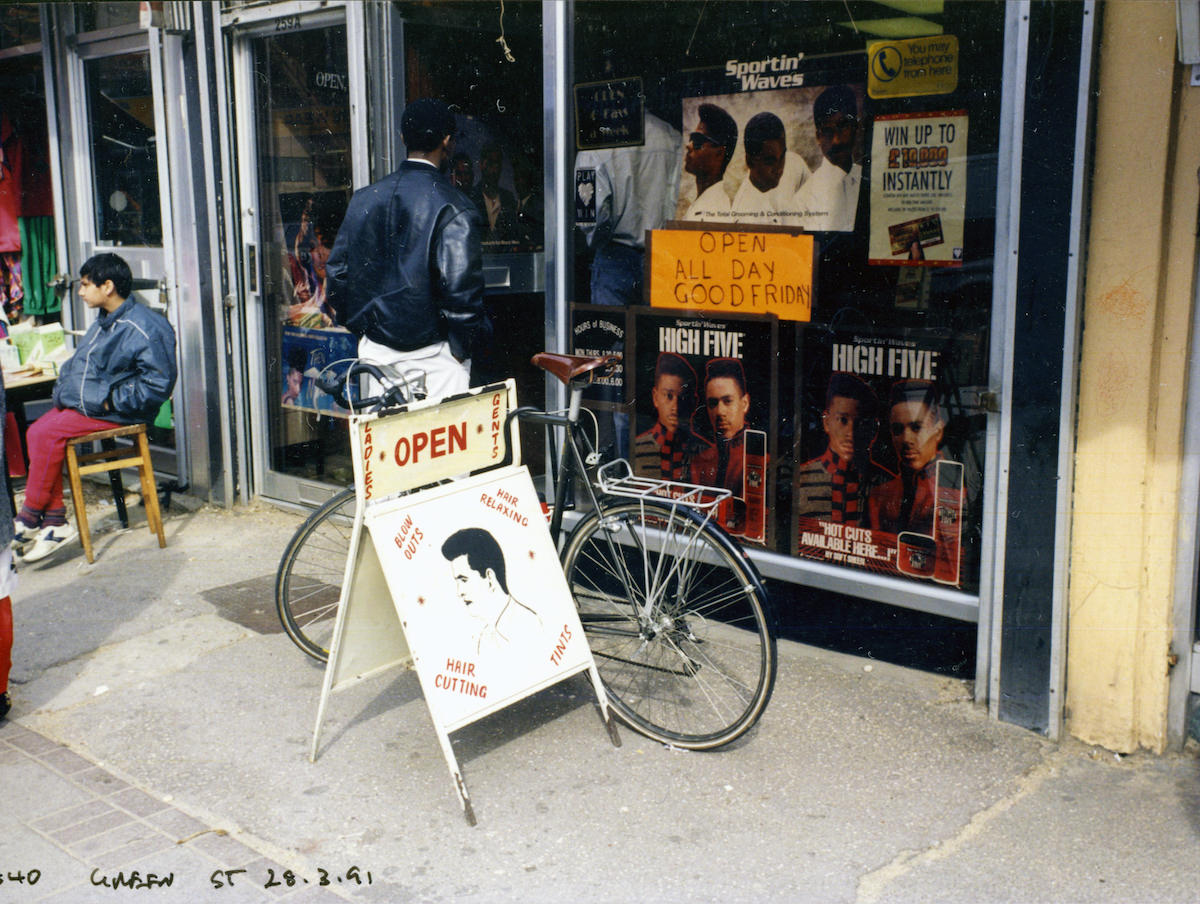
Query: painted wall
[[1139, 288]]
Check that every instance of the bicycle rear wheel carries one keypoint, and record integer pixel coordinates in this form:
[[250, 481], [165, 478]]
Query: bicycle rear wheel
[[308, 584], [677, 620]]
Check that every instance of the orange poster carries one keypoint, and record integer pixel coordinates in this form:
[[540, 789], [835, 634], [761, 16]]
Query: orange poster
[[732, 271]]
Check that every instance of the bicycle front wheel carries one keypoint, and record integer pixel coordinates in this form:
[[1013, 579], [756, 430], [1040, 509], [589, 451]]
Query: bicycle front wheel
[[677, 621], [308, 584]]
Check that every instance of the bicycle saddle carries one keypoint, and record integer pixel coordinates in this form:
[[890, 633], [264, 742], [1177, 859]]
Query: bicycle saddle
[[571, 367]]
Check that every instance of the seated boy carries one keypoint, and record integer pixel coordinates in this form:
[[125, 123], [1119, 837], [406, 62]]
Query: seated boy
[[122, 371]]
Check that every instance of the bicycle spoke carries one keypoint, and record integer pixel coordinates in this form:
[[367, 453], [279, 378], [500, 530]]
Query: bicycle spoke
[[675, 622], [308, 586]]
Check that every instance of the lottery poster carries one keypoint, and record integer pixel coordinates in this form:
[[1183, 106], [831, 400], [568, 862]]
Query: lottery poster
[[918, 189]]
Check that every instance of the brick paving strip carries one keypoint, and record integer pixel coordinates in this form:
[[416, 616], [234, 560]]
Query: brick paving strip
[[92, 825]]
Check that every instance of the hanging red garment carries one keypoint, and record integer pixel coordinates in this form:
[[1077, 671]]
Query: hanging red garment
[[37, 196], [10, 186], [13, 454]]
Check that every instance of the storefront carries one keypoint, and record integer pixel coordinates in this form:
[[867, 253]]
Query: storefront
[[305, 134], [839, 245], [886, 138], [879, 396], [99, 115]]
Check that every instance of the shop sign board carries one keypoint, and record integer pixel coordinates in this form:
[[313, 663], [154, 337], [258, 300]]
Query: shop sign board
[[481, 597], [609, 114], [888, 480], [431, 441], [460, 581], [309, 354], [818, 129], [731, 270], [912, 67], [599, 330]]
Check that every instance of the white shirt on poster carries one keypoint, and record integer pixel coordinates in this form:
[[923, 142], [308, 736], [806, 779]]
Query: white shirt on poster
[[828, 201], [775, 207], [712, 205]]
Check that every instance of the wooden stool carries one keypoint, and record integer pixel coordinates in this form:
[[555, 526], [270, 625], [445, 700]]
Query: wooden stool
[[112, 459]]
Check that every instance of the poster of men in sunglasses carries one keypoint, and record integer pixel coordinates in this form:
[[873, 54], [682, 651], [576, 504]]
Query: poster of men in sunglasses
[[704, 409], [879, 481], [785, 157]]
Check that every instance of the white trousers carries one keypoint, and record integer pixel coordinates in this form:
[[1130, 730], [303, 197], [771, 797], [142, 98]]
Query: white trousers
[[444, 374]]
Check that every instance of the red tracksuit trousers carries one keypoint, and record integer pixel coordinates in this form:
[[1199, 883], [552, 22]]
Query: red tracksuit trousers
[[47, 441]]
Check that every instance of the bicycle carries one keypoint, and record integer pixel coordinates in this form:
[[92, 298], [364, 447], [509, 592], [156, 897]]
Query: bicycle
[[308, 582], [676, 615]]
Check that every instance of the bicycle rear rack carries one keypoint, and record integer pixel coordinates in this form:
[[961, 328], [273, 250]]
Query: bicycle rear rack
[[617, 479]]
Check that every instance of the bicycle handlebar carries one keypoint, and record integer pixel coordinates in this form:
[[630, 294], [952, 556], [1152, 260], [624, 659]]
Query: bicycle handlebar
[[335, 385]]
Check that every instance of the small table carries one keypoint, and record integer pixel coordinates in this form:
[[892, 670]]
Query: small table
[[21, 387]]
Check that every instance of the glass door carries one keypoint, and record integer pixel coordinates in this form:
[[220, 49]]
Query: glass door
[[120, 173], [485, 59], [296, 148]]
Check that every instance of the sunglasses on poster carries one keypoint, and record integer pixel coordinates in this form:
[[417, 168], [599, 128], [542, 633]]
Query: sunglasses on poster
[[698, 139]]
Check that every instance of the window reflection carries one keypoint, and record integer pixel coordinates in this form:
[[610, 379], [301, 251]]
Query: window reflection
[[451, 52], [304, 157], [124, 150], [99, 16], [20, 24]]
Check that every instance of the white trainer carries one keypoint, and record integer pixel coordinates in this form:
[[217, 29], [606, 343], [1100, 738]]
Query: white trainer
[[50, 540], [23, 535]]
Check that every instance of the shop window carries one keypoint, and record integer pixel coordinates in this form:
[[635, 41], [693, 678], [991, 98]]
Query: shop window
[[102, 16], [485, 60], [28, 261], [302, 98], [124, 150], [841, 406], [20, 24]]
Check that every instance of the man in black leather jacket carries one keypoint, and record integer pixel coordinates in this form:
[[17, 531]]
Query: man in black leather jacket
[[406, 272]]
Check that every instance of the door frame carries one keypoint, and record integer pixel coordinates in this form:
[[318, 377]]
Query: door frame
[[73, 170], [241, 30], [1184, 680]]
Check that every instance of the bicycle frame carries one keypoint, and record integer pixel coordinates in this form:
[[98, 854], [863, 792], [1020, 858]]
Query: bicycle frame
[[574, 463]]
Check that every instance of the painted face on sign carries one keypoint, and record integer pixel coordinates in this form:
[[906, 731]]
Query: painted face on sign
[[835, 135], [480, 593], [490, 165], [916, 433], [462, 174], [295, 380], [766, 167], [705, 156]]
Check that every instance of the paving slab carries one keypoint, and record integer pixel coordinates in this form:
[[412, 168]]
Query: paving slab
[[162, 724]]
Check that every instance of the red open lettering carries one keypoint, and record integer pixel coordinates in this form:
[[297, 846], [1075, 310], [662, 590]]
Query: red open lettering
[[420, 442]]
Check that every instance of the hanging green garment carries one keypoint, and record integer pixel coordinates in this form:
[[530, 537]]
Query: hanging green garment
[[39, 264]]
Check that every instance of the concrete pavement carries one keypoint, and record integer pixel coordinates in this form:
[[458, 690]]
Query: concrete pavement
[[161, 723]]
